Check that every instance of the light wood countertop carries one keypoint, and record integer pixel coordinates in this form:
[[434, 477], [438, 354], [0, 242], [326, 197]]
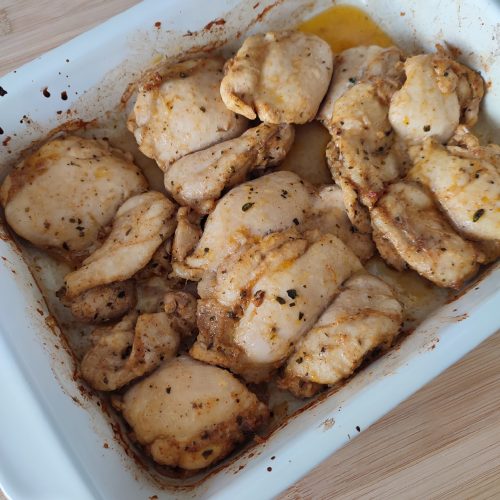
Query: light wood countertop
[[444, 442]]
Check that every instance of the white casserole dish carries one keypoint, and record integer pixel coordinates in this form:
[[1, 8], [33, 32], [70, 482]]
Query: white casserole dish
[[53, 438]]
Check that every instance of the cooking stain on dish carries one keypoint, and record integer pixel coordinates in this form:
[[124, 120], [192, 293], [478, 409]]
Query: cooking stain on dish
[[344, 26]]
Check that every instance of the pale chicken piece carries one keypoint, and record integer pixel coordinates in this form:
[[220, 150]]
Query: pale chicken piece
[[179, 110], [104, 303], [140, 226], [407, 217], [363, 155], [359, 64], [130, 349], [279, 77], [198, 179], [191, 415], [249, 211], [438, 94], [365, 316], [62, 196], [264, 301], [272, 203], [466, 184]]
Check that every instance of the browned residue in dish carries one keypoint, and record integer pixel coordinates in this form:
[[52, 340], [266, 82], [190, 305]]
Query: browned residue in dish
[[215, 22]]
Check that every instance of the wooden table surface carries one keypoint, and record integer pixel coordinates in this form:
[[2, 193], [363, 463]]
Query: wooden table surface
[[444, 442]]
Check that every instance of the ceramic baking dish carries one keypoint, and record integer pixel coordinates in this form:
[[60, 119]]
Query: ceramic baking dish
[[57, 443]]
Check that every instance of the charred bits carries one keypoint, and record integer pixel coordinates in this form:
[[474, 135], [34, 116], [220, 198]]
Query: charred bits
[[64, 95], [45, 92], [2, 91]]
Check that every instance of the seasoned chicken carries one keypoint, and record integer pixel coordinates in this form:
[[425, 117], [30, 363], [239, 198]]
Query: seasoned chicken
[[466, 183], [272, 203], [413, 228], [141, 224], [268, 204], [179, 110], [364, 63], [130, 349], [104, 303], [198, 179], [363, 156], [261, 303], [181, 309], [438, 94], [187, 234], [62, 196], [191, 415], [363, 317], [279, 77]]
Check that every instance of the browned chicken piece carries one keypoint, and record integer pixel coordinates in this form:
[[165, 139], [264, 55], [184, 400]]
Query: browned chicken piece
[[262, 301], [141, 224], [198, 179], [179, 110], [466, 184], [363, 155], [181, 309], [191, 415], [130, 349], [62, 196], [438, 94], [363, 64], [365, 316], [407, 217], [104, 303], [279, 77]]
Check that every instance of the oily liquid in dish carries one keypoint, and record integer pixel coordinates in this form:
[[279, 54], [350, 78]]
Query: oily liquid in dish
[[342, 27]]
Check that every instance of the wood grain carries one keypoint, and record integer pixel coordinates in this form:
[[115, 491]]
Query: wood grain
[[443, 443]]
